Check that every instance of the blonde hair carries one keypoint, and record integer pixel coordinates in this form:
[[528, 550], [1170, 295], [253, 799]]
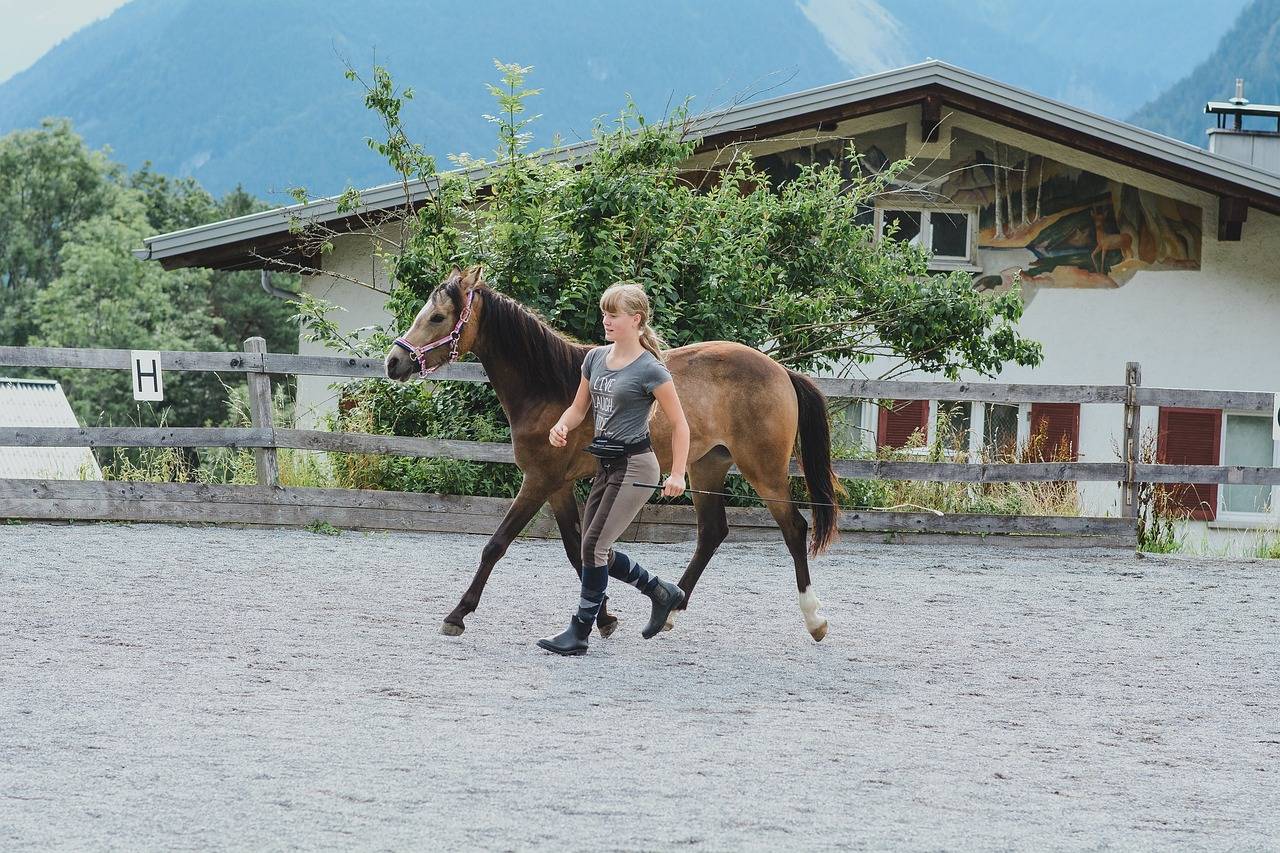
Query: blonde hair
[[627, 297]]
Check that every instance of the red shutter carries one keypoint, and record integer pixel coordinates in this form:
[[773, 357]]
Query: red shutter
[[898, 421], [1191, 437], [1060, 425]]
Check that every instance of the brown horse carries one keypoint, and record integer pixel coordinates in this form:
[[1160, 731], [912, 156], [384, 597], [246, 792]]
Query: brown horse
[[742, 408]]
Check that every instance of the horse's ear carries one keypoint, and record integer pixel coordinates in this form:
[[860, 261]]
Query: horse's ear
[[472, 276], [454, 273]]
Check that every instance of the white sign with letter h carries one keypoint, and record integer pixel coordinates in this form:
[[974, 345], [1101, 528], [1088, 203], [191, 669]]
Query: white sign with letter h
[[148, 385]]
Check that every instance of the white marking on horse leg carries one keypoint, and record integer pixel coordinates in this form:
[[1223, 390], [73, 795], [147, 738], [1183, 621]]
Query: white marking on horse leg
[[671, 621], [809, 605]]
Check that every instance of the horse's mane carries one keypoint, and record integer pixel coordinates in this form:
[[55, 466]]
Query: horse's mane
[[551, 362]]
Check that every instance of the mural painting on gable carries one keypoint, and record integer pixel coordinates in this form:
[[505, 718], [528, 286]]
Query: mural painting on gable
[[1053, 224], [1061, 226]]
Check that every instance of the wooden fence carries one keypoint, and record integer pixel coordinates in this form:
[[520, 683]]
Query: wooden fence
[[269, 503]]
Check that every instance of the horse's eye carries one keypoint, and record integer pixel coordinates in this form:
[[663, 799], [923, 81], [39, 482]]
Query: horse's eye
[[437, 318]]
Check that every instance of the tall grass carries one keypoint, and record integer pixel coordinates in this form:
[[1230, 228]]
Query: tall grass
[[221, 464], [1045, 498]]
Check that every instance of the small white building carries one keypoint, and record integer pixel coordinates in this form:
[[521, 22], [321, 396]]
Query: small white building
[[1129, 246], [41, 403]]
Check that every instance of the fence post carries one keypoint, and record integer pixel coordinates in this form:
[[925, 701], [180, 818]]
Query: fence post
[[260, 411], [1132, 439]]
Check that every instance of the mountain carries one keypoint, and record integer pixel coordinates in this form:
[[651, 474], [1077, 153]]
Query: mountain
[[251, 92], [247, 91], [1101, 55], [1250, 49]]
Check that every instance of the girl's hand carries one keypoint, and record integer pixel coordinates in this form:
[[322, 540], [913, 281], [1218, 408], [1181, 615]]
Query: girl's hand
[[559, 435], [673, 487]]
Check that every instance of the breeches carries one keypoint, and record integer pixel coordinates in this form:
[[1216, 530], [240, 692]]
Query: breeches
[[614, 503]]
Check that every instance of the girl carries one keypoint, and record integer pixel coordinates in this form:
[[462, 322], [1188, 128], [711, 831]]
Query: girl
[[620, 382]]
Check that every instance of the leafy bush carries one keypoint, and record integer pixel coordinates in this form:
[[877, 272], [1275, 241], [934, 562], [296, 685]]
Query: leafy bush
[[792, 269]]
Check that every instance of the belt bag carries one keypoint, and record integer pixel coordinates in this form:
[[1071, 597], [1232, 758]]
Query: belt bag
[[603, 447]]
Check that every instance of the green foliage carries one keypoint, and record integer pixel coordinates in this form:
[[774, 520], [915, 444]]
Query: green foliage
[[323, 528], [103, 297], [238, 305], [793, 270], [1160, 538], [1267, 548], [49, 181], [69, 221], [1160, 516], [513, 137], [222, 464], [383, 99], [462, 412]]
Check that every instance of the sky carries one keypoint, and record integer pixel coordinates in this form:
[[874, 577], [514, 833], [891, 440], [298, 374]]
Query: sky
[[31, 27]]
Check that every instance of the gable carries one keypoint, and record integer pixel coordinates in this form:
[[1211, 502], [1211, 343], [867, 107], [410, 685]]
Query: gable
[[1053, 223]]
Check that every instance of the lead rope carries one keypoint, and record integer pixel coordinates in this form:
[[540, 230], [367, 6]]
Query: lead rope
[[936, 512]]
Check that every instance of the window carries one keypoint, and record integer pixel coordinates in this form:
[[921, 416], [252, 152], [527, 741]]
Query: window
[[1246, 440], [953, 426], [904, 225], [948, 234], [846, 424], [972, 429], [1190, 437], [1000, 430]]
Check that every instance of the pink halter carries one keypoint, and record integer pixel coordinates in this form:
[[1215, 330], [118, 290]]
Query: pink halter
[[451, 339]]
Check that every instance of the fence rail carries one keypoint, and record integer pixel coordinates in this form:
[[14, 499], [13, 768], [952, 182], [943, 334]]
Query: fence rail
[[249, 438], [866, 389], [247, 504], [364, 509]]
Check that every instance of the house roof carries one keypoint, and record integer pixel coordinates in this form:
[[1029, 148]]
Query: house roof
[[236, 243], [35, 403]]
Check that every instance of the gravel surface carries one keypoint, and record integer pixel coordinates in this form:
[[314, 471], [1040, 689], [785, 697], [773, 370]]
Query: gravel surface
[[217, 688]]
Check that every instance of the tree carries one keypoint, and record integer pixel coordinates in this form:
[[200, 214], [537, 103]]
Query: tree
[[49, 181], [104, 298], [793, 270], [69, 220], [240, 307]]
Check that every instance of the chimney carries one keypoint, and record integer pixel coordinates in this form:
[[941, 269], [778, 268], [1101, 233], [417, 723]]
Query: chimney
[[1257, 147]]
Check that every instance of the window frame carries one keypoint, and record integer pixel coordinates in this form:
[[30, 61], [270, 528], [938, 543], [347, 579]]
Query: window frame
[[1229, 518], [947, 263], [976, 446]]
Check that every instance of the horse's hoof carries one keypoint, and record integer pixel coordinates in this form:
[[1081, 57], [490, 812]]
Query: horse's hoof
[[819, 632], [607, 628], [451, 630]]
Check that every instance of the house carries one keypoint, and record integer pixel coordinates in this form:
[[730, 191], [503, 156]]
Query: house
[[41, 403], [1129, 246]]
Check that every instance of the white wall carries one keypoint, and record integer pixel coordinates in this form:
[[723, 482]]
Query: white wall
[[352, 256], [1216, 328]]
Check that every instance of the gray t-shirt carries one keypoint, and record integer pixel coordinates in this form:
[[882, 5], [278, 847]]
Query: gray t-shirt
[[622, 399]]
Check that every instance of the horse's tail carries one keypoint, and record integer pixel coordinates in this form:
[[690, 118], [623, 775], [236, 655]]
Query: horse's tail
[[815, 459]]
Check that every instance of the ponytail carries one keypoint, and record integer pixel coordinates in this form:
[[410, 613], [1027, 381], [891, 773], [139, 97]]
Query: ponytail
[[649, 340]]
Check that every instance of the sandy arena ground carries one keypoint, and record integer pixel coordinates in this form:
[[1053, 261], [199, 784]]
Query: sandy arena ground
[[216, 688]]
